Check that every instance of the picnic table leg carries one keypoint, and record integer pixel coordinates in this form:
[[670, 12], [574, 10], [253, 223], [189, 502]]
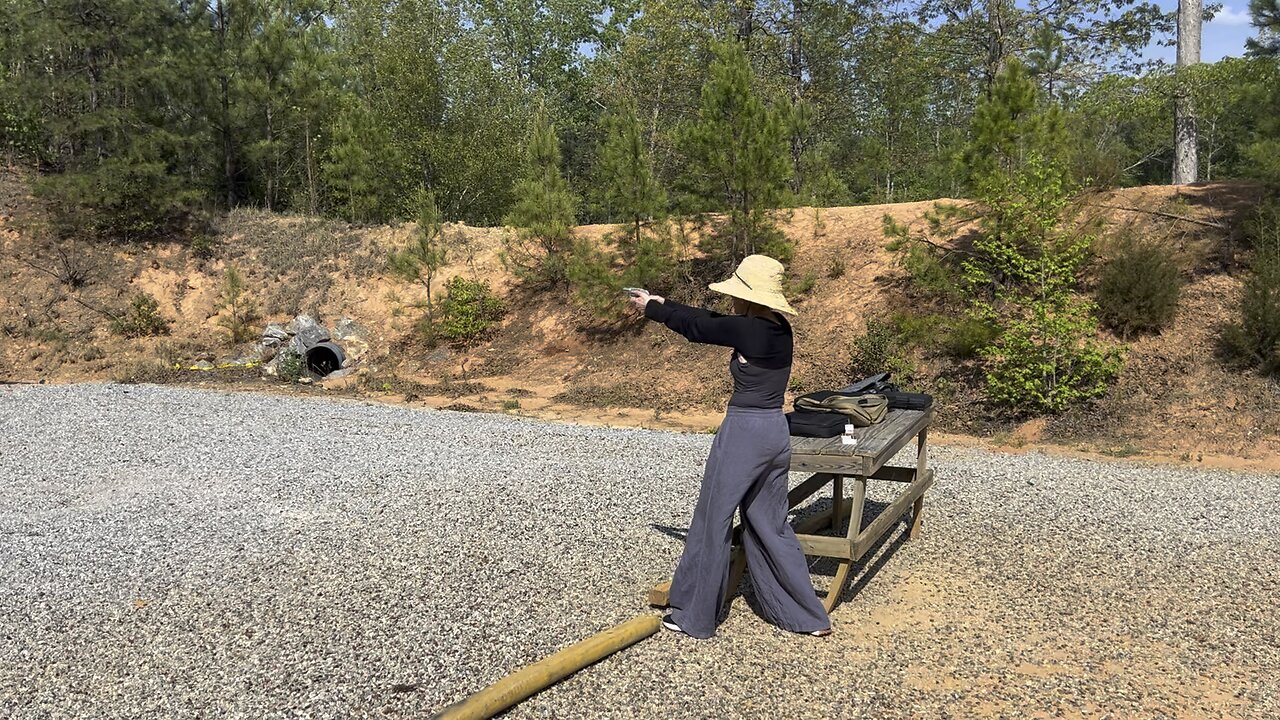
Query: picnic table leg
[[837, 500], [855, 526], [737, 568], [922, 465]]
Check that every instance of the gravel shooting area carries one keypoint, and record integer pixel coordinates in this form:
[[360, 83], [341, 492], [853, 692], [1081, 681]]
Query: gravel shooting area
[[169, 552]]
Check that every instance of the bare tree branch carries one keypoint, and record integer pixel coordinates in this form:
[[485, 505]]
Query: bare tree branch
[[1171, 216]]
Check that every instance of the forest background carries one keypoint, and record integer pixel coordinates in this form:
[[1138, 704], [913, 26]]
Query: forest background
[[348, 108], [694, 126]]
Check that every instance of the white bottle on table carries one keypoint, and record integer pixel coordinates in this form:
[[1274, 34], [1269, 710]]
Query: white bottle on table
[[847, 438]]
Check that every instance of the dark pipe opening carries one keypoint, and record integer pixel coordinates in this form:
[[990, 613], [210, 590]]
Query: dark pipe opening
[[324, 358]]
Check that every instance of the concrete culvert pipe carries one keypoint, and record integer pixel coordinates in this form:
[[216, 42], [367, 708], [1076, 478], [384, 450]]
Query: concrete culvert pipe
[[324, 358]]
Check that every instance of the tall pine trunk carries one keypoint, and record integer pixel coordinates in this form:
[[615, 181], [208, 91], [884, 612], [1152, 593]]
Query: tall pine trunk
[[228, 145], [796, 63], [1185, 161], [997, 50], [312, 197]]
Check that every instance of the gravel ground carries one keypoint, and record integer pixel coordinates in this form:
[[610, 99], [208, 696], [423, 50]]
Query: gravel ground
[[176, 553]]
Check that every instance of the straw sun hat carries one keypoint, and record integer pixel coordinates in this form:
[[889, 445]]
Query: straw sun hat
[[758, 279]]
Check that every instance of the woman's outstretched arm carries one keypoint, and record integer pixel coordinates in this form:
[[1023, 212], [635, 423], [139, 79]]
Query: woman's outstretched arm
[[703, 326]]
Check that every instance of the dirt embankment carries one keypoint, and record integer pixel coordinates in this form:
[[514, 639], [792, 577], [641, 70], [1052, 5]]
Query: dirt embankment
[[1173, 401]]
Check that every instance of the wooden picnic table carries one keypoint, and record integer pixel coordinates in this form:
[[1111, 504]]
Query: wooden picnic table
[[831, 462]]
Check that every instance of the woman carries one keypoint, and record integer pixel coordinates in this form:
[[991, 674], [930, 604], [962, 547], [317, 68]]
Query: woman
[[749, 461]]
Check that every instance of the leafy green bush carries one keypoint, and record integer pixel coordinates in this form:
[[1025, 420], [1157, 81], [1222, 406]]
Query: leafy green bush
[[1021, 273], [469, 310], [1022, 279], [290, 366], [1043, 364], [141, 318], [967, 337], [1138, 290], [880, 349]]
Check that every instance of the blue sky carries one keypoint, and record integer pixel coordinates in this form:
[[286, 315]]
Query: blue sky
[[1223, 37]]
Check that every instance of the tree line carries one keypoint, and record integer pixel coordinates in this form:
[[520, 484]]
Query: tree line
[[144, 113]]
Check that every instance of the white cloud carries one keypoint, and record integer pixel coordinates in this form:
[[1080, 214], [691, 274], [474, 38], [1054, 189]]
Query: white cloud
[[1230, 16]]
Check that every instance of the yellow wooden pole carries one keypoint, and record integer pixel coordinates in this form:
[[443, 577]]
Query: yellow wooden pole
[[531, 678]]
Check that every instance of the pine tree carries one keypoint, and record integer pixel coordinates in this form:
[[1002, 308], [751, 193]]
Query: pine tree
[[240, 310], [1021, 274], [645, 255], [107, 82], [425, 254], [1008, 125], [738, 160], [630, 189], [1263, 154], [1266, 17], [545, 211], [356, 167]]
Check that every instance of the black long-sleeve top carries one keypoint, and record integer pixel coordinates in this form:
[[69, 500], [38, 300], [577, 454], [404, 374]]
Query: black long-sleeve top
[[761, 360]]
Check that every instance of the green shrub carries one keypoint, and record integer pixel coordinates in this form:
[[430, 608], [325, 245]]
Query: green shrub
[[802, 285], [1262, 228], [1021, 277], [119, 199], [1254, 341], [142, 318], [916, 330], [1138, 290], [468, 311], [880, 349], [1042, 363], [203, 247], [968, 337], [835, 268], [291, 366]]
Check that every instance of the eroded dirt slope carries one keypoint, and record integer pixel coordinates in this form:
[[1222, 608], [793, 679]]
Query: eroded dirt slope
[[1173, 400]]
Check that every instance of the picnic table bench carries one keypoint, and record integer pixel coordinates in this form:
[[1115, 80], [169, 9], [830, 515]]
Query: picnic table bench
[[831, 462]]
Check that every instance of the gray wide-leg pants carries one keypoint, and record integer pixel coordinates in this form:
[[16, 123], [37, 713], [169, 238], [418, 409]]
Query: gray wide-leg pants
[[747, 467]]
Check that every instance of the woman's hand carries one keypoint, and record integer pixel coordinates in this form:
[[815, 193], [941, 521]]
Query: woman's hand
[[638, 301]]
